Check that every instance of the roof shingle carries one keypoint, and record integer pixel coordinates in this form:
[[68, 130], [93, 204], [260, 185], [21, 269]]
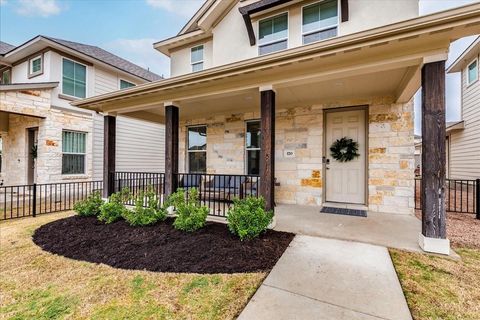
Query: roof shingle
[[5, 47]]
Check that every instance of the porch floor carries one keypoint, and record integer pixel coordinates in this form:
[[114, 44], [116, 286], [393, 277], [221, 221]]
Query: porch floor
[[390, 230]]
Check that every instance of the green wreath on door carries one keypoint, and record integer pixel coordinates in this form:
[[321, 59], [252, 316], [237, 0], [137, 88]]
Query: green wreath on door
[[344, 149]]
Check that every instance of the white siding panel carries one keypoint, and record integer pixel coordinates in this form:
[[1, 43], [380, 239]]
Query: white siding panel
[[97, 156], [140, 145], [465, 144], [105, 82]]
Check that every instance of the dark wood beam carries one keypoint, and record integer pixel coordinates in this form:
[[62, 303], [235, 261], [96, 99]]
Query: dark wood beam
[[267, 158], [171, 149], [255, 7], [109, 145], [433, 150], [345, 11]]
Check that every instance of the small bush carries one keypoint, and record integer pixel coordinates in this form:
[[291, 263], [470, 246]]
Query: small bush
[[191, 216], [143, 216], [248, 218], [113, 210], [90, 206]]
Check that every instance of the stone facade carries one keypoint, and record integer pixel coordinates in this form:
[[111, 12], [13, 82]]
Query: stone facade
[[32, 109], [300, 179]]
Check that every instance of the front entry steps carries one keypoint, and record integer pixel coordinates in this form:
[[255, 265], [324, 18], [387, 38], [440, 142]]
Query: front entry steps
[[345, 211]]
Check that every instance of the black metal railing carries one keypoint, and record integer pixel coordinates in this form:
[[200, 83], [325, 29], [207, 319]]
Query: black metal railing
[[461, 196], [31, 200], [138, 182], [217, 191]]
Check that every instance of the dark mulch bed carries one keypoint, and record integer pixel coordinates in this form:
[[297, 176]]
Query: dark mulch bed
[[160, 247]]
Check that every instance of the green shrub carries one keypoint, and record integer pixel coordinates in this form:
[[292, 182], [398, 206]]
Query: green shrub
[[89, 206], [113, 210], [191, 216], [248, 218], [142, 216]]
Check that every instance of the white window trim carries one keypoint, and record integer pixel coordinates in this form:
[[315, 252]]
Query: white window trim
[[259, 45], [320, 29], [86, 80], [245, 143], [200, 61], [467, 71], [32, 74], [76, 153], [120, 83], [194, 151]]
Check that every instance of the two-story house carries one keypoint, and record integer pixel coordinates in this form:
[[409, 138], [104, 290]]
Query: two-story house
[[313, 97], [463, 137], [44, 139]]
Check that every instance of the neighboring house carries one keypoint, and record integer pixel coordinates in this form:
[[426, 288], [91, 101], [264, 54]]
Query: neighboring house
[[43, 138], [463, 137], [266, 87]]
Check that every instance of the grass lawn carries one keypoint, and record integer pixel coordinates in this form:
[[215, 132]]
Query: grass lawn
[[443, 288], [38, 285]]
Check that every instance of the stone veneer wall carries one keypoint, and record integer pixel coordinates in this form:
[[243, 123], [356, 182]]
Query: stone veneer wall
[[390, 162], [49, 160]]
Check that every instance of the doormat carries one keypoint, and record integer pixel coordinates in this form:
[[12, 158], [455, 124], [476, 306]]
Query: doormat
[[344, 211]]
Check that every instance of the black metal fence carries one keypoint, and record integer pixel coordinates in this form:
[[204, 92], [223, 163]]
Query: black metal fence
[[461, 196], [31, 200], [138, 182]]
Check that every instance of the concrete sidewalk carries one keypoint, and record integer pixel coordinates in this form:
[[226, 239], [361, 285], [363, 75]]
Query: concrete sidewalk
[[319, 278]]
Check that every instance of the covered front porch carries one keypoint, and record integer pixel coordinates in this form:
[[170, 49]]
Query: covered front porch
[[297, 102]]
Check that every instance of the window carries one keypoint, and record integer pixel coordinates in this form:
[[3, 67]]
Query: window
[[472, 72], [197, 149], [252, 147], [6, 77], [125, 84], [74, 82], [273, 34], [320, 21], [35, 66], [73, 152], [197, 58]]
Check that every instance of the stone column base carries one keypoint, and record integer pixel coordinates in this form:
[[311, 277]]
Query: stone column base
[[434, 245]]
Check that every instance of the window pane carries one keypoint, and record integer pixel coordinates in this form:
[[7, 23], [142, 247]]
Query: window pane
[[320, 15], [269, 48], [36, 65], [197, 67], [253, 162], [68, 68], [80, 73], [320, 35], [311, 16], [73, 164], [197, 54], [328, 13], [125, 84], [80, 89], [473, 72], [253, 134], [5, 77], [272, 29], [197, 162], [197, 138], [74, 142]]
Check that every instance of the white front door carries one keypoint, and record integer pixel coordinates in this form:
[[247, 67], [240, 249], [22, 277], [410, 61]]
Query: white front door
[[345, 181]]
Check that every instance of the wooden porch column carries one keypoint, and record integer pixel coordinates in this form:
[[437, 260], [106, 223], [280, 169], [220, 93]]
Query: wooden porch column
[[109, 137], [171, 149], [433, 237], [267, 153]]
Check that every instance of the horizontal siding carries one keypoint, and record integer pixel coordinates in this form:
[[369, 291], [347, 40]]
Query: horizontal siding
[[105, 82], [97, 156], [464, 162]]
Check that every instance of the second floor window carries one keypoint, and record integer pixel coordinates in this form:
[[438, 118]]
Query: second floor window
[[252, 147], [35, 66], [197, 58], [73, 152], [125, 84], [197, 149], [273, 34], [6, 77], [320, 21], [74, 79], [472, 72]]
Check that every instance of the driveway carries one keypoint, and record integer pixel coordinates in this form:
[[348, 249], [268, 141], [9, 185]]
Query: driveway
[[318, 278]]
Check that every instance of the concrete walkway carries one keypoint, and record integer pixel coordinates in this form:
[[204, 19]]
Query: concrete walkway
[[320, 278], [391, 230]]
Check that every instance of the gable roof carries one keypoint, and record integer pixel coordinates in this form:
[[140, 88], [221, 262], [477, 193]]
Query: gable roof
[[90, 51], [108, 58], [5, 47]]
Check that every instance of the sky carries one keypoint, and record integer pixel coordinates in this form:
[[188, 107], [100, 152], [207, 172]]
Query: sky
[[128, 28]]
